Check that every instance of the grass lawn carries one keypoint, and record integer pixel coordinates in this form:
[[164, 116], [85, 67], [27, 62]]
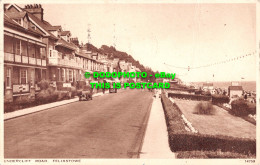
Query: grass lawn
[[221, 123]]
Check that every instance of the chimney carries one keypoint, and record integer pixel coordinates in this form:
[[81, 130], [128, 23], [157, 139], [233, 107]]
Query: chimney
[[35, 9]]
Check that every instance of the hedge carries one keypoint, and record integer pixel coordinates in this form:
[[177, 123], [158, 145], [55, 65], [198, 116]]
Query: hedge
[[220, 99], [182, 140], [210, 154], [242, 107], [189, 96], [190, 142]]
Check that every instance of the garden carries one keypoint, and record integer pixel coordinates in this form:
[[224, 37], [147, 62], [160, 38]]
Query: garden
[[199, 129]]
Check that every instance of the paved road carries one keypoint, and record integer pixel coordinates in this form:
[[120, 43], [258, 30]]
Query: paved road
[[109, 126]]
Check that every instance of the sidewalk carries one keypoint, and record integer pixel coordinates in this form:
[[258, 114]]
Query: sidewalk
[[155, 143], [30, 110]]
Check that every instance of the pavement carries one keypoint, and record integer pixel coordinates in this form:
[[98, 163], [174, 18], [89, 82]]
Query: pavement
[[111, 126], [30, 110], [156, 144]]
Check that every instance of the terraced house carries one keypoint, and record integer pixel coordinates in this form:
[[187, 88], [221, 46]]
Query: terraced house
[[35, 50], [24, 54]]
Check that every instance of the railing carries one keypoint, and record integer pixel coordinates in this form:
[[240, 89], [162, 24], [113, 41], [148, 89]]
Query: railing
[[25, 59], [39, 62], [53, 60], [18, 58], [9, 57], [43, 62], [32, 60], [21, 88]]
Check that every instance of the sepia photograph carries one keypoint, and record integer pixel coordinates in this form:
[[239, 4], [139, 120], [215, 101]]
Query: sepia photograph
[[90, 81]]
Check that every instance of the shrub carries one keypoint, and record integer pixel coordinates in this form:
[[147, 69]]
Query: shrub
[[251, 108], [74, 84], [73, 92], [59, 85], [210, 154], [44, 84], [191, 155], [190, 142], [241, 107], [172, 115], [62, 95], [205, 108], [81, 84], [198, 92], [46, 96], [220, 99]]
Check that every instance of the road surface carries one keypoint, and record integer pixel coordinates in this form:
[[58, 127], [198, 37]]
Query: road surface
[[109, 126]]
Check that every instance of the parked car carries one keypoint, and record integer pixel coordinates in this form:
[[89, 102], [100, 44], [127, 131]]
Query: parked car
[[86, 93], [111, 89]]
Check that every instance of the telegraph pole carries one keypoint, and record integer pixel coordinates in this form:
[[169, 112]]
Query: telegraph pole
[[89, 34]]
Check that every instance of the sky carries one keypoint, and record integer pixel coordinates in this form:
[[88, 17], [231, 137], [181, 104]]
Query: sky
[[164, 36]]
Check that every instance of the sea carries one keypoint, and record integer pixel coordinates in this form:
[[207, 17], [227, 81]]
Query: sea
[[247, 85]]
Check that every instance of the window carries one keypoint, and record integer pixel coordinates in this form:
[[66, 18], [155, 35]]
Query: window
[[24, 48], [8, 44], [63, 75], [17, 47], [70, 76], [43, 53], [8, 77], [18, 21], [31, 48], [25, 23], [37, 52], [23, 76]]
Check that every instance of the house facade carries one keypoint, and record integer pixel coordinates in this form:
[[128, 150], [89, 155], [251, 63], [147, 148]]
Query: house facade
[[36, 50], [24, 55], [235, 91]]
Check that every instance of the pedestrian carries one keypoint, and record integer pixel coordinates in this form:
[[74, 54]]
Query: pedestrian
[[245, 96]]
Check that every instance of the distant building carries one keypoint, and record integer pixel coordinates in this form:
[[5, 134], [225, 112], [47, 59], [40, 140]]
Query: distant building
[[235, 91], [207, 86]]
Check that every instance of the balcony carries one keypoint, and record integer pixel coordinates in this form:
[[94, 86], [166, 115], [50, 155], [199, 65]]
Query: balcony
[[9, 57], [56, 59], [43, 62], [18, 58], [25, 59], [38, 62], [32, 61]]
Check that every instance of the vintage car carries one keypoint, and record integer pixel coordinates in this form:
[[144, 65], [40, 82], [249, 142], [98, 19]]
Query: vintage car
[[111, 89], [86, 93]]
